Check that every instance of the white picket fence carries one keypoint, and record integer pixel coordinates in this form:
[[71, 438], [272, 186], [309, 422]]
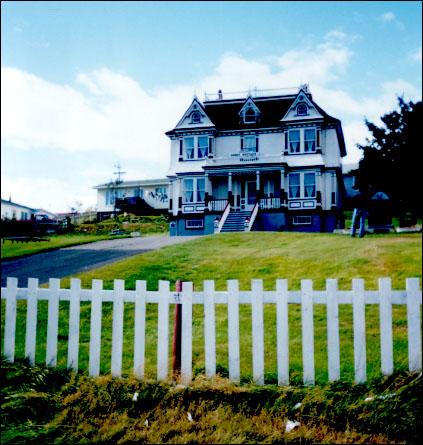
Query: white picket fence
[[384, 297]]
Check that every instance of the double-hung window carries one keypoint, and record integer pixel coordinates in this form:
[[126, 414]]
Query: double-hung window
[[189, 147], [294, 141], [309, 140], [302, 185], [249, 144], [202, 146], [193, 190]]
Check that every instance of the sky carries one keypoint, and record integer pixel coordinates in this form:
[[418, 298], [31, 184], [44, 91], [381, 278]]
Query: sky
[[88, 85]]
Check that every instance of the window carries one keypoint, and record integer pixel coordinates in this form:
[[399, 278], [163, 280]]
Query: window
[[196, 147], [309, 185], [196, 117], [203, 145], [249, 144], [297, 220], [250, 116], [294, 141], [194, 190], [188, 190], [302, 185], [302, 109], [309, 140], [302, 140], [294, 185], [189, 147], [194, 223], [268, 187]]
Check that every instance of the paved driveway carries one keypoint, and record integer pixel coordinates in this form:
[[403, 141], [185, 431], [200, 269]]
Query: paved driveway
[[71, 260]]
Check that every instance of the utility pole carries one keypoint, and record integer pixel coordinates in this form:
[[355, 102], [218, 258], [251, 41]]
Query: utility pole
[[113, 184]]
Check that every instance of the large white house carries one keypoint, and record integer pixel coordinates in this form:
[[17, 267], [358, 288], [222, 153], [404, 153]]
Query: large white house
[[261, 162], [147, 196]]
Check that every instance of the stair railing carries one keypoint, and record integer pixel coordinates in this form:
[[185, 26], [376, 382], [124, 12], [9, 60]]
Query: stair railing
[[252, 217], [224, 216]]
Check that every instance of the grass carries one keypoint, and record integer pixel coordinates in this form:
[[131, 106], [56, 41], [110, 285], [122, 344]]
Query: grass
[[40, 405], [244, 256], [14, 250]]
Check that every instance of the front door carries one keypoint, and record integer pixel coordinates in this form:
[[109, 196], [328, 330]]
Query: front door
[[248, 198]]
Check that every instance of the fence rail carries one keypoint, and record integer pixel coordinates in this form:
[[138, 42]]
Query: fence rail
[[332, 297]]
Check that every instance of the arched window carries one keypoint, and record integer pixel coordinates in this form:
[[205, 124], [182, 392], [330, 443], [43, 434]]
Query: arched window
[[302, 109], [196, 117], [250, 115]]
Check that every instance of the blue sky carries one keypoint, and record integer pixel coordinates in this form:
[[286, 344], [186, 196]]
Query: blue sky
[[89, 84]]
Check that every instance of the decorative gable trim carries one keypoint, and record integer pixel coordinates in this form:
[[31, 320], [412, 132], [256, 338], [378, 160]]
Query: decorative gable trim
[[195, 116], [246, 113], [301, 108]]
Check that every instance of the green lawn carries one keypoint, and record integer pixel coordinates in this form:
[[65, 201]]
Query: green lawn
[[245, 256], [14, 250]]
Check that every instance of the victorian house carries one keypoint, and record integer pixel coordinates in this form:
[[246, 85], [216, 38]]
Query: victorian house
[[261, 162]]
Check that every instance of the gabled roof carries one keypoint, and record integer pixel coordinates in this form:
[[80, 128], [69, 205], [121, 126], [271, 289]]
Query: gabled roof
[[6, 201], [196, 106]]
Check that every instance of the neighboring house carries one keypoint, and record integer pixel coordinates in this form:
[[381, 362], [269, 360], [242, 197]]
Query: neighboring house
[[351, 193], [13, 210], [262, 162], [142, 197], [42, 214]]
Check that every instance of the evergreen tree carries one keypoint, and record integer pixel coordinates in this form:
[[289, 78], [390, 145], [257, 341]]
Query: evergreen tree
[[391, 159]]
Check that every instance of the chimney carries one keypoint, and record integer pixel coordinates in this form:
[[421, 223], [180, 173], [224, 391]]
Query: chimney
[[220, 95]]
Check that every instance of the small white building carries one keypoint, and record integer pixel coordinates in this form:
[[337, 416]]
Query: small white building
[[13, 210], [141, 197]]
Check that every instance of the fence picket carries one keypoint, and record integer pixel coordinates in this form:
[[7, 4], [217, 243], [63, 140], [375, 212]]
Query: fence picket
[[31, 320], [117, 328], [186, 344], [385, 307], [53, 322], [332, 311], [163, 331], [282, 332], [139, 328], [414, 325], [95, 328], [233, 330], [209, 328], [74, 315], [10, 322], [257, 331], [307, 331], [359, 323]]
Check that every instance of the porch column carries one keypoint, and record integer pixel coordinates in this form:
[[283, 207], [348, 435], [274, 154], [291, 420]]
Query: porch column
[[170, 194], [258, 191], [179, 195], [319, 189], [230, 198], [283, 193], [207, 190]]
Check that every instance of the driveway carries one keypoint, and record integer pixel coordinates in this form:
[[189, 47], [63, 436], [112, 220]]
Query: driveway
[[72, 260]]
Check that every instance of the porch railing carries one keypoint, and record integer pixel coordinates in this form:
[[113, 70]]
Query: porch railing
[[270, 203], [217, 205]]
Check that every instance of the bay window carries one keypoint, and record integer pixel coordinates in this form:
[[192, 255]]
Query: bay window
[[193, 190], [302, 185], [302, 140]]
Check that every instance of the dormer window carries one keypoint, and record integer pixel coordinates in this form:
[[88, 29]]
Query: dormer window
[[196, 117], [250, 116], [302, 109]]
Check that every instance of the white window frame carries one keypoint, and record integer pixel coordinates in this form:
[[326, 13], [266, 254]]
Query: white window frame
[[194, 189], [302, 140], [199, 225], [196, 112], [249, 150], [245, 116], [296, 220], [196, 157], [302, 185], [298, 106]]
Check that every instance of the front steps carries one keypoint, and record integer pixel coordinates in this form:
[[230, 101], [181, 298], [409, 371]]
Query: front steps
[[235, 221]]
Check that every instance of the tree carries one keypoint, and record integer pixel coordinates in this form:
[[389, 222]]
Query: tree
[[391, 158]]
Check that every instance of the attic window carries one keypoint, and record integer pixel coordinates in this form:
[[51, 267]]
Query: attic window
[[250, 116], [302, 109], [196, 117]]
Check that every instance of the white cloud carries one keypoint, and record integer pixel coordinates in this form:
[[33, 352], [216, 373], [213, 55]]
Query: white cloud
[[416, 55], [388, 17]]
